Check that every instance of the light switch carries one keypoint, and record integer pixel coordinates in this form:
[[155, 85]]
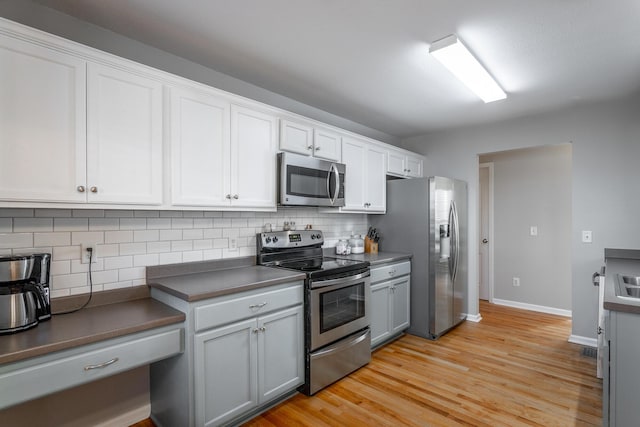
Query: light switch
[[534, 230], [587, 237]]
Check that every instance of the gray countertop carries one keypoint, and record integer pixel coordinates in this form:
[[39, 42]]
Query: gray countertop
[[209, 284], [89, 325], [374, 259], [625, 262]]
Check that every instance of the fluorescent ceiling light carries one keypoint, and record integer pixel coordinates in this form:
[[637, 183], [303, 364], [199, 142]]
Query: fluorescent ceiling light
[[454, 55]]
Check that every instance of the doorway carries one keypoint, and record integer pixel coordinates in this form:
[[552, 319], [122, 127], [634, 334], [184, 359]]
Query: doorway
[[485, 249]]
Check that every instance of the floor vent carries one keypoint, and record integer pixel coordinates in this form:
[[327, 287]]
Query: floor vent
[[590, 352]]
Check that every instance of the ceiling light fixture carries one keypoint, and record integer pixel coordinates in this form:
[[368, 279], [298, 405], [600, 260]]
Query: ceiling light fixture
[[456, 57]]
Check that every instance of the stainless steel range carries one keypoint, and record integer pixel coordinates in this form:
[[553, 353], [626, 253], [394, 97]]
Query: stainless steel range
[[337, 295]]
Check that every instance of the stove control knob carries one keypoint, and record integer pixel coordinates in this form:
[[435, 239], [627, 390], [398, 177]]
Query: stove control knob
[[275, 239], [318, 236], [313, 236], [268, 240]]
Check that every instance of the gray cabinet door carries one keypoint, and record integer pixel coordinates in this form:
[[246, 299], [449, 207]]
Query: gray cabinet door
[[225, 372], [380, 313], [280, 352], [400, 311]]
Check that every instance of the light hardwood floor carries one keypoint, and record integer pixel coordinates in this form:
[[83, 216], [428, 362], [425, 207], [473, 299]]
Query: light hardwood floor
[[514, 368]]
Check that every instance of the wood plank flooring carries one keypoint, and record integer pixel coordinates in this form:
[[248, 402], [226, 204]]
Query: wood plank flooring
[[514, 368]]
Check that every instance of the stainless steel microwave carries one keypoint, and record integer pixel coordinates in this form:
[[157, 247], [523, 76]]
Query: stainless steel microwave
[[307, 181]]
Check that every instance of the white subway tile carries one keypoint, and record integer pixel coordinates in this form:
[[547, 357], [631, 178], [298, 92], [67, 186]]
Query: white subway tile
[[192, 234], [159, 223], [133, 248], [203, 222], [16, 240], [191, 256], [171, 258], [89, 237], [6, 252], [220, 243], [222, 222], [71, 224], [212, 254], [132, 273], [108, 250], [239, 222], [84, 290], [181, 245], [203, 244], [170, 234], [146, 214], [182, 223], [213, 214], [247, 251], [230, 232], [171, 214], [212, 233], [138, 282], [78, 267], [29, 225], [59, 293], [60, 267], [104, 224], [66, 252], [247, 232], [113, 263], [117, 285], [87, 213], [52, 239], [158, 247], [15, 213], [226, 253], [106, 276], [145, 260], [193, 214], [122, 236], [146, 235], [118, 214], [133, 223], [53, 213], [6, 225], [71, 280]]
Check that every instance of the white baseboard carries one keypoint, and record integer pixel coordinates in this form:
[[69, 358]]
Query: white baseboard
[[533, 307], [577, 339], [128, 418], [474, 317]]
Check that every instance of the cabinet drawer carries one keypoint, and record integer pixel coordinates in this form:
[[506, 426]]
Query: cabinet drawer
[[390, 271], [52, 373], [227, 310]]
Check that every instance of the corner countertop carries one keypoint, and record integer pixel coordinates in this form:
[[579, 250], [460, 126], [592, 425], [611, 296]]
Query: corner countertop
[[625, 262], [229, 279], [87, 326], [373, 259]]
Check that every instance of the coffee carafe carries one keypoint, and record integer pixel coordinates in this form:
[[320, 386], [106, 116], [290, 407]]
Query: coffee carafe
[[24, 291]]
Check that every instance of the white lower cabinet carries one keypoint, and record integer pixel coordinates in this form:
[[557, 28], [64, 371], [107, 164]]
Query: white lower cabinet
[[390, 294], [245, 351]]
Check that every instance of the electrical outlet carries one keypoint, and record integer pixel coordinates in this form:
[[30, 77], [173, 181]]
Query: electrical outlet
[[533, 230], [516, 281], [587, 236], [233, 244], [85, 255]]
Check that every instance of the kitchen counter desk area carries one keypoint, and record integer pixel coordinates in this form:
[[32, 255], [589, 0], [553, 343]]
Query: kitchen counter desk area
[[244, 341], [95, 342]]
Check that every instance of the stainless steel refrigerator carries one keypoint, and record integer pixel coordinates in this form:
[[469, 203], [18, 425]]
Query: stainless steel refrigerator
[[428, 218]]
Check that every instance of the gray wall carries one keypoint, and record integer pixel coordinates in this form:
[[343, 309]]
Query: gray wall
[[606, 147], [532, 187], [34, 15]]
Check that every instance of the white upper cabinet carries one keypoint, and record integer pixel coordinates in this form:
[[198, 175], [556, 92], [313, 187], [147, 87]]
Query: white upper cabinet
[[365, 180], [199, 148], [254, 145], [124, 137], [310, 140], [404, 164], [42, 124]]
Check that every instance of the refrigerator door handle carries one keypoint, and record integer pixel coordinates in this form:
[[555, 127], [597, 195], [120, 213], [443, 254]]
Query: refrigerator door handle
[[451, 248], [456, 240]]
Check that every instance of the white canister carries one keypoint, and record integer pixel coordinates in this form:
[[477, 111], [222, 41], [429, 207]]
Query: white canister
[[356, 242]]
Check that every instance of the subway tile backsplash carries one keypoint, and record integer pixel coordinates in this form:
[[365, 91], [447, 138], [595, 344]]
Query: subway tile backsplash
[[130, 240]]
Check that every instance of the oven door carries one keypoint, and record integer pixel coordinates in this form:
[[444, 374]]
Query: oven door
[[339, 307], [306, 181]]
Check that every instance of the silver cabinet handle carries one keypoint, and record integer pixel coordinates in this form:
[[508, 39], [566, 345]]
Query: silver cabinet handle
[[392, 272], [80, 189], [255, 330], [262, 329], [228, 196], [235, 196], [101, 365], [262, 304], [94, 189], [309, 147], [317, 148]]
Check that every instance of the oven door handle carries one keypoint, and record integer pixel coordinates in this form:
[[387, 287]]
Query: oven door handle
[[341, 346], [345, 281]]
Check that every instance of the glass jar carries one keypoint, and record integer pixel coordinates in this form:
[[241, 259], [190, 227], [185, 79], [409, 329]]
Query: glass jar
[[341, 247], [356, 242]]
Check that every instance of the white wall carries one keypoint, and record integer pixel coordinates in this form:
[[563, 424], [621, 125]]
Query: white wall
[[605, 141], [532, 187]]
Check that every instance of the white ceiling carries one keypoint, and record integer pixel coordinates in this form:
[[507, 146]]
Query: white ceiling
[[367, 60]]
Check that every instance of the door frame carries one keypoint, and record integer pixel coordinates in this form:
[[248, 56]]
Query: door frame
[[490, 209]]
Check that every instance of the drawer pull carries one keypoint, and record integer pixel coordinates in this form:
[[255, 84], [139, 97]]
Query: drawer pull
[[262, 304], [392, 272], [101, 365]]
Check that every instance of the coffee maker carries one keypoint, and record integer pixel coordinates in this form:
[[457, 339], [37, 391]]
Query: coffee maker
[[24, 291]]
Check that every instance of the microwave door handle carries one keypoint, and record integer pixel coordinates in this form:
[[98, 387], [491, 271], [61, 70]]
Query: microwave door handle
[[333, 170]]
